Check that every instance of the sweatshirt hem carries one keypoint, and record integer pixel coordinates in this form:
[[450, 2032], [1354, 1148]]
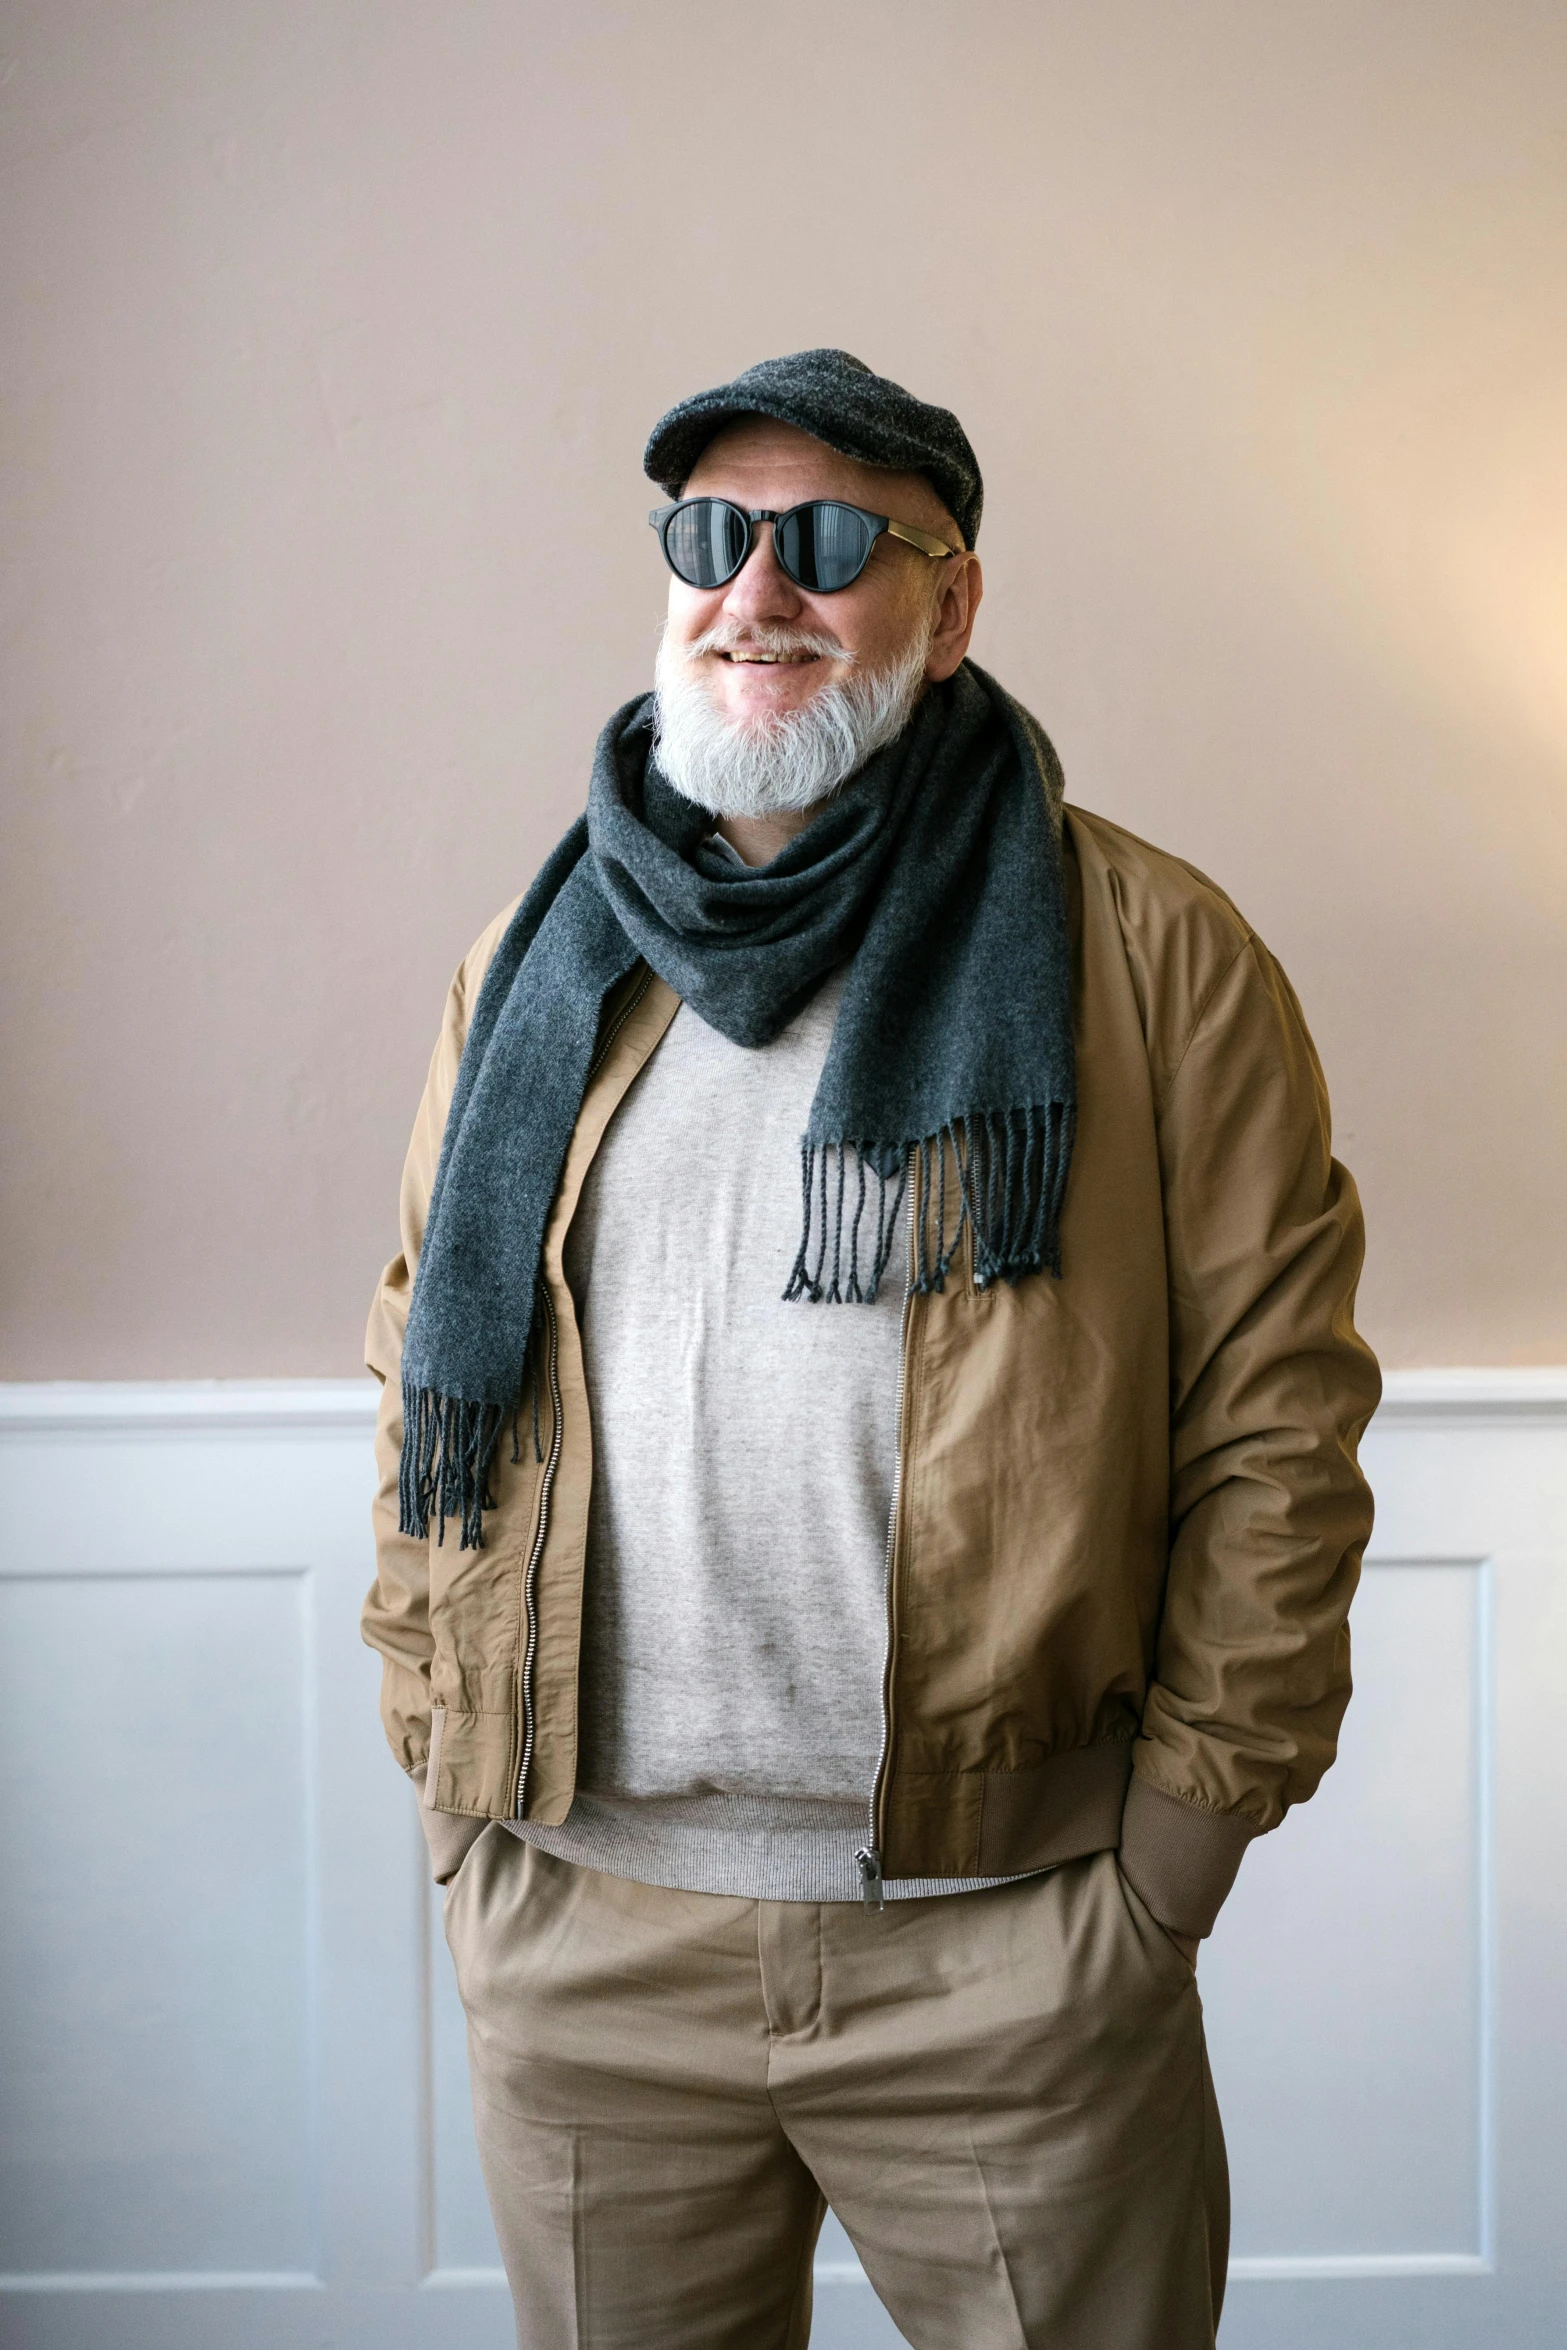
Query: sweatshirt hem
[[752, 1848]]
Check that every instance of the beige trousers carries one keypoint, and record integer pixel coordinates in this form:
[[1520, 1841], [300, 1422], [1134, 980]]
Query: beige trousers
[[1003, 2095]]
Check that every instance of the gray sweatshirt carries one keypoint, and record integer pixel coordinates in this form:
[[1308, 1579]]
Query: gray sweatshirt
[[735, 1612]]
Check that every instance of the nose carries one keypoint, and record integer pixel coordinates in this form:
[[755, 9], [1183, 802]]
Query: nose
[[760, 590]]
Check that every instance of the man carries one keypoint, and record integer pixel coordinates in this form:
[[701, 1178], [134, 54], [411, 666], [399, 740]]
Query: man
[[869, 1504]]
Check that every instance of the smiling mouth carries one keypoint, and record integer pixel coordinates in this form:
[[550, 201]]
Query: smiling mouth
[[750, 660]]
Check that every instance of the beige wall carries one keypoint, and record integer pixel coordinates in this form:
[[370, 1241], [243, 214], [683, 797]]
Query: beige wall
[[331, 334]]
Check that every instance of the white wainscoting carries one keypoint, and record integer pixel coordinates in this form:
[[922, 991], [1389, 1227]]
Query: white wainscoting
[[232, 2094]]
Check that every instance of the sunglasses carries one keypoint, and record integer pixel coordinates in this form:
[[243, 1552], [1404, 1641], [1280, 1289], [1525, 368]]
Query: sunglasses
[[822, 545]]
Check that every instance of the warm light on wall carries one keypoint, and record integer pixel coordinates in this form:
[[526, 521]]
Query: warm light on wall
[[1436, 507]]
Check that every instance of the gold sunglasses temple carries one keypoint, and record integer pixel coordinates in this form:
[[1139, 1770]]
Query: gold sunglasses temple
[[921, 539]]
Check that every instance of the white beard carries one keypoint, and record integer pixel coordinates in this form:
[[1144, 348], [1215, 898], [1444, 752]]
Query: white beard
[[768, 765]]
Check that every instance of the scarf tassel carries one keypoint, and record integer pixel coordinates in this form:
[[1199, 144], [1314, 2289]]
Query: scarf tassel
[[1002, 1174], [448, 1451]]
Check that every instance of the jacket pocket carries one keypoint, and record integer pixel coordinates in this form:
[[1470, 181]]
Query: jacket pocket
[[1157, 1946], [433, 1767]]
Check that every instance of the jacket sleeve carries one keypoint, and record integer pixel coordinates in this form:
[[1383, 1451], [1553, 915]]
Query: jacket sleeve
[[1271, 1389], [396, 1615]]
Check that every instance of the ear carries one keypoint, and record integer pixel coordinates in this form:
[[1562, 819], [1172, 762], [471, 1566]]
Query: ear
[[957, 609]]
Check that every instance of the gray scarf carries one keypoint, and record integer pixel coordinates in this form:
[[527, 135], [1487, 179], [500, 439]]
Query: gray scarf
[[935, 873]]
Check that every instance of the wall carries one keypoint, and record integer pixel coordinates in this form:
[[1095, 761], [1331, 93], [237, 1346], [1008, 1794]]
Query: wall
[[331, 334]]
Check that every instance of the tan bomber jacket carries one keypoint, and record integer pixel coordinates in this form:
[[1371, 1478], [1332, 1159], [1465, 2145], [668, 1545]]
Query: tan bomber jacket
[[1128, 1518]]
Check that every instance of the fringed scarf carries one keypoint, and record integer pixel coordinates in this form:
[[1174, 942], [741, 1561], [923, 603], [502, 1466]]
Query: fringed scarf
[[935, 874]]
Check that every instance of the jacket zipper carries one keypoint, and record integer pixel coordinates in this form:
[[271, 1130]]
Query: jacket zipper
[[546, 1482], [617, 1024], [869, 1854]]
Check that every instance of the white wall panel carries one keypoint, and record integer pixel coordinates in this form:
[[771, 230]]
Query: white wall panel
[[233, 2096], [157, 1852], [1344, 1986]]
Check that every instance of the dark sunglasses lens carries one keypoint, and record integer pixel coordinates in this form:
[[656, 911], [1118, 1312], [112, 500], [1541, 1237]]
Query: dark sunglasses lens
[[705, 542], [824, 546]]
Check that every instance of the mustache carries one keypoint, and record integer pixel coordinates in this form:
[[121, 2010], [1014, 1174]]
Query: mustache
[[761, 636]]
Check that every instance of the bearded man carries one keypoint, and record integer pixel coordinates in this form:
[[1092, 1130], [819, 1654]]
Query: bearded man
[[869, 1501]]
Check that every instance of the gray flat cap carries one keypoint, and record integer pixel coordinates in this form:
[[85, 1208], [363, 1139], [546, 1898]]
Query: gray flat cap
[[837, 399]]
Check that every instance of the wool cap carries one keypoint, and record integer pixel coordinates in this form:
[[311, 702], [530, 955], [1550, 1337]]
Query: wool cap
[[837, 399]]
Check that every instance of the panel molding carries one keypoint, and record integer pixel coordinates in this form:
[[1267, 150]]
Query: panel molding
[[93, 1407], [1260, 2268], [1484, 1395], [163, 2280], [1301, 2267]]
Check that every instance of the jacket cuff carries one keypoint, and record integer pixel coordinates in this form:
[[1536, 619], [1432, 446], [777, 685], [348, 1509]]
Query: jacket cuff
[[450, 1835], [1179, 1859]]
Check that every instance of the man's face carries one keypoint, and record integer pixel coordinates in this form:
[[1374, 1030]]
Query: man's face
[[755, 669]]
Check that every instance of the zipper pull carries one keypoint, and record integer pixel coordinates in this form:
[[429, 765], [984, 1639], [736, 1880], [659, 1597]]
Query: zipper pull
[[870, 1876]]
